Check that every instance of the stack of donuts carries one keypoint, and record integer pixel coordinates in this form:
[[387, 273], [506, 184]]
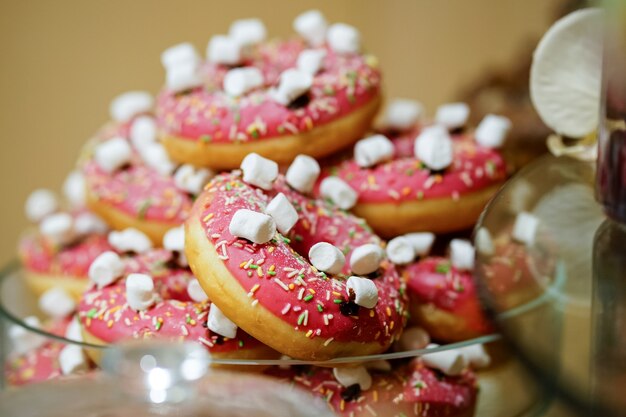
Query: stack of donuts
[[259, 208]]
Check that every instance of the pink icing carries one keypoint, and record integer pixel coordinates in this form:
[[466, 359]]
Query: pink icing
[[283, 282], [207, 114], [105, 314]]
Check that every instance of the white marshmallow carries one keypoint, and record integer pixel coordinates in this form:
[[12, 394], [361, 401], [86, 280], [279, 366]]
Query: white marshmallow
[[56, 303], [452, 115], [58, 228], [293, 83], [251, 225], [400, 251], [379, 366], [143, 132], [247, 31], [282, 211], [220, 324], [366, 259], [113, 154], [156, 157], [239, 81], [88, 223], [339, 192], [433, 147], [364, 290], [106, 268], [224, 50], [372, 150], [191, 179], [413, 338], [349, 376], [312, 26], [74, 189], [73, 330], [402, 114], [311, 61], [181, 53], [492, 131], [484, 242], [422, 242], [462, 254], [450, 362], [140, 293], [259, 171], [39, 204], [476, 356], [130, 240], [183, 76], [327, 258], [195, 291], [303, 173], [525, 228], [72, 360], [174, 239], [343, 38], [25, 340], [128, 105]]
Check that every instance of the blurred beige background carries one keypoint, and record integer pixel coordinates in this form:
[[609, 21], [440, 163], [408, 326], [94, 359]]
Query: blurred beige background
[[63, 60]]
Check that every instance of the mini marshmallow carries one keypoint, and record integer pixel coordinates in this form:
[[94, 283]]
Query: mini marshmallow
[[73, 330], [39, 204], [72, 360], [413, 338], [239, 81], [293, 83], [525, 228], [364, 291], [58, 228], [143, 132], [88, 223], [452, 115], [492, 131], [311, 26], [462, 254], [343, 38], [182, 53], [484, 242], [251, 225], [327, 258], [349, 376], [195, 291], [57, 303], [379, 366], [130, 240], [182, 77], [247, 31], [476, 356], [105, 269], [366, 259], [259, 171], [74, 189], [339, 192], [311, 60], [421, 241], [224, 50], [402, 114], [450, 362], [23, 339], [220, 324], [303, 173], [113, 154], [140, 293], [174, 239], [191, 179], [282, 211], [128, 105], [433, 147], [400, 251], [156, 157], [372, 150]]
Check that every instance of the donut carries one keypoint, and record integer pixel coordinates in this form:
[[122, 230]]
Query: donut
[[106, 316], [206, 125], [410, 390], [273, 292]]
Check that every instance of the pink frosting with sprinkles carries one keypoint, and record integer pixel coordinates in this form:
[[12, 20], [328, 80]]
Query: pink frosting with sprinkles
[[405, 178], [207, 114], [409, 390], [136, 190], [283, 282], [105, 314]]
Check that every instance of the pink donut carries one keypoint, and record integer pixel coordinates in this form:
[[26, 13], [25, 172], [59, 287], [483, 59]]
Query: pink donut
[[206, 127]]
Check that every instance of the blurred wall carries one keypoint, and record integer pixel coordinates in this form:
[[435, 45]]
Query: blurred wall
[[63, 60]]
